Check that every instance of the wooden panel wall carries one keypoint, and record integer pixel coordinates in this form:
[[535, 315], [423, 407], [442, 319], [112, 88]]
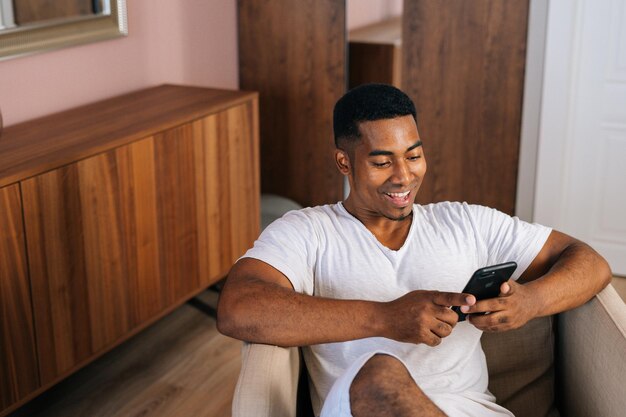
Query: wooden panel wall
[[293, 52], [463, 65], [18, 360], [374, 63], [147, 225]]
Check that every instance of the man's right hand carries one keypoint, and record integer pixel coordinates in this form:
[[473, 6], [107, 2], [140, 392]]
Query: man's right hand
[[424, 316]]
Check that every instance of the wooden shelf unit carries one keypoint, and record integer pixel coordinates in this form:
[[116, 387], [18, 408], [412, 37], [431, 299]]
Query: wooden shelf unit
[[375, 53], [111, 216]]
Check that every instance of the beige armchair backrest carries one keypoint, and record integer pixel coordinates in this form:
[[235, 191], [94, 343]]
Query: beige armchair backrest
[[590, 363], [591, 358]]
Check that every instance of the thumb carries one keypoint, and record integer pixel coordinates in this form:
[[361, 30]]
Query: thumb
[[506, 288]]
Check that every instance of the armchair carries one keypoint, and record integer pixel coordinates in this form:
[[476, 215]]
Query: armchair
[[583, 350]]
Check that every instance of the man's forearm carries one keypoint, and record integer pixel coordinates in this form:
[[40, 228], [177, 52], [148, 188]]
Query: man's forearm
[[261, 312], [577, 275], [258, 304]]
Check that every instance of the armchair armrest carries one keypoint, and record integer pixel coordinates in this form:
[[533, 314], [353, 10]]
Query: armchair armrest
[[591, 363], [592, 357], [268, 382]]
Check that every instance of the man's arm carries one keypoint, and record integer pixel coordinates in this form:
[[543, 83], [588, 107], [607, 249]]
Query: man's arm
[[258, 304], [565, 274]]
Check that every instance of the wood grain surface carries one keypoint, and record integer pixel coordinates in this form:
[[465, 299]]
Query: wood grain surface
[[117, 238], [37, 146], [293, 52], [18, 360], [374, 63], [463, 65]]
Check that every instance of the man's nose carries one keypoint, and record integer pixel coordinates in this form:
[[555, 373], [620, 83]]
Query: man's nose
[[401, 173]]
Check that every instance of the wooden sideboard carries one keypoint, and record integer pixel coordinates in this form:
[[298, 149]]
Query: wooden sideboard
[[111, 216]]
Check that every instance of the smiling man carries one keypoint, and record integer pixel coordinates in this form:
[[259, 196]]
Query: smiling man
[[366, 285]]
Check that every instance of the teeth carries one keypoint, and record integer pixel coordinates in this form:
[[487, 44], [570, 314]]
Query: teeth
[[399, 195]]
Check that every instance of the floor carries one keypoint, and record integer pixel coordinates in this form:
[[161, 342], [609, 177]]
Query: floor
[[180, 366]]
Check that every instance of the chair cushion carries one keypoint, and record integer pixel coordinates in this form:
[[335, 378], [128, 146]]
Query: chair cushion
[[521, 368]]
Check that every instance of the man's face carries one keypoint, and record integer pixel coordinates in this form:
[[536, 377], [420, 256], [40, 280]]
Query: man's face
[[386, 168]]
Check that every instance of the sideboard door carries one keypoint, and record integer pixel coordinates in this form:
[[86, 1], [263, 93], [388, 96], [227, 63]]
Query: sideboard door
[[226, 147], [18, 359], [121, 238], [78, 226]]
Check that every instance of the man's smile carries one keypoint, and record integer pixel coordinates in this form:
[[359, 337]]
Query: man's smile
[[399, 199]]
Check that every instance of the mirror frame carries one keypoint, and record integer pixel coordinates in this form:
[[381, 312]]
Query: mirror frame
[[62, 33]]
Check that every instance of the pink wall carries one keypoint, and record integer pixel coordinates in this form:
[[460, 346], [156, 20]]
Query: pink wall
[[183, 42], [363, 12]]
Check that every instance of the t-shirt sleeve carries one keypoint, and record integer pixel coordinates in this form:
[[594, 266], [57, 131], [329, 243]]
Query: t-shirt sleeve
[[289, 244], [508, 238]]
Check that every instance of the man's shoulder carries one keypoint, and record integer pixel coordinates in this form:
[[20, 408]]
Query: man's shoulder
[[454, 213], [443, 207], [310, 215], [327, 210]]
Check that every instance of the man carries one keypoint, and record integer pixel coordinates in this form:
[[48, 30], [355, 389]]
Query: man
[[367, 284]]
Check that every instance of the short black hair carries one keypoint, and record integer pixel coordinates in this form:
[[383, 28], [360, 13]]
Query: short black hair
[[368, 102]]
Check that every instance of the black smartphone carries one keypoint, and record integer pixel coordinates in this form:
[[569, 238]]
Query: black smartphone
[[485, 283]]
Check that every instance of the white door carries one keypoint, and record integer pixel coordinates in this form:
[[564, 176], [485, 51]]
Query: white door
[[581, 161]]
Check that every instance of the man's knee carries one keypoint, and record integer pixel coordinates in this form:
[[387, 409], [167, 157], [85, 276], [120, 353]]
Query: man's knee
[[381, 367], [380, 379], [384, 387]]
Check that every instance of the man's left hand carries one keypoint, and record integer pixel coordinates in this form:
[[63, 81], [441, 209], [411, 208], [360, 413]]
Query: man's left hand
[[512, 309]]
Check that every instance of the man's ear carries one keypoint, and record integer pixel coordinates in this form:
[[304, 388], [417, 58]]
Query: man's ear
[[343, 161]]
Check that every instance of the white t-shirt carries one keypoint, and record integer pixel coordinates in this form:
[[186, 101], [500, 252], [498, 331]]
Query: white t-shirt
[[325, 251]]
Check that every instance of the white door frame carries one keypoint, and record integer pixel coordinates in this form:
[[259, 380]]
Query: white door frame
[[531, 109], [560, 75]]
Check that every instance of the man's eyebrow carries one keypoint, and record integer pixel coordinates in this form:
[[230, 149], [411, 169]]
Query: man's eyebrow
[[388, 153], [415, 145], [376, 153]]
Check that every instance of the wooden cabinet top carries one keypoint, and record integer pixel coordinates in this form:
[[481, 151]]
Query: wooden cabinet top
[[387, 32], [46, 143]]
